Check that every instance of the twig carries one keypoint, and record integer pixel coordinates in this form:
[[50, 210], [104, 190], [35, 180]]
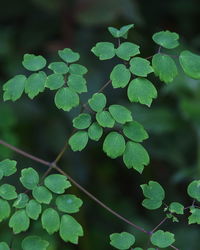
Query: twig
[[155, 228]]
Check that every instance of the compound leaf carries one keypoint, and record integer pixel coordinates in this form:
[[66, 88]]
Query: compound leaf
[[166, 39], [141, 90], [50, 220], [33, 62], [57, 183], [104, 50], [122, 240], [68, 203], [135, 131], [68, 55], [29, 178], [78, 141], [19, 221], [126, 50], [114, 145], [120, 76]]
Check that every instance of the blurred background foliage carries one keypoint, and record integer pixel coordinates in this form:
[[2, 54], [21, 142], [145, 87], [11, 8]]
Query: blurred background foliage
[[173, 121]]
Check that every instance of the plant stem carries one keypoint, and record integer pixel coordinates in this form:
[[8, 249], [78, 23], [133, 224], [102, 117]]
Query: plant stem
[[155, 228]]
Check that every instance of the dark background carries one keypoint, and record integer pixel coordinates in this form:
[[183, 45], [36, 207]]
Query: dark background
[[173, 121]]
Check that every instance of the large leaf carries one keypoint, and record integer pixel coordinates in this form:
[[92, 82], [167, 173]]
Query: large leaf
[[190, 63], [97, 102], [126, 50], [140, 66], [68, 203], [162, 239], [122, 240], [8, 192], [8, 167], [78, 141], [104, 50], [120, 76], [55, 81], [120, 113], [34, 242], [194, 190], [33, 62], [135, 131], [82, 121], [19, 221], [105, 119], [42, 194], [29, 178], [77, 83], [50, 220], [166, 39], [57, 183]]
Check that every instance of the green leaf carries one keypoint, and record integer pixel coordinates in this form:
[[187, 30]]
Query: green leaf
[[97, 102], [55, 81], [70, 229], [120, 114], [19, 221], [8, 167], [1, 174], [34, 242], [8, 192], [57, 183], [141, 90], [4, 210], [122, 240], [50, 220], [176, 207], [33, 62], [162, 239], [14, 88], [4, 246], [135, 131], [190, 63], [35, 84], [82, 121], [68, 203], [122, 32], [135, 156], [21, 201], [120, 76], [33, 209], [29, 178], [166, 39], [68, 55], [154, 193], [114, 145], [193, 190], [105, 119], [140, 66], [164, 67], [77, 69], [104, 50], [77, 83], [66, 99], [78, 141], [126, 50], [42, 194], [59, 67], [95, 131], [195, 216]]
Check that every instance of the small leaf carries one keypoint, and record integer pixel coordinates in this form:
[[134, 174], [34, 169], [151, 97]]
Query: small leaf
[[176, 207], [164, 67], [14, 88], [120, 76], [4, 246], [140, 66], [97, 102], [35, 84], [42, 194], [195, 216], [68, 55], [190, 63], [126, 50], [66, 99], [78, 141], [141, 90], [8, 192], [8, 167], [77, 83], [193, 190], [33, 209], [77, 69], [70, 229], [57, 183], [135, 131], [82, 121], [59, 67], [162, 239], [19, 221], [34, 242], [166, 39], [120, 113], [105, 119], [122, 32], [29, 178], [21, 201], [33, 62], [55, 81], [4, 210], [114, 145], [135, 156], [104, 50], [154, 193], [122, 240], [50, 220], [95, 131], [68, 203]]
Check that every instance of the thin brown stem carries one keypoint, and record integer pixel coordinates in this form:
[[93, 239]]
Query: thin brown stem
[[155, 228]]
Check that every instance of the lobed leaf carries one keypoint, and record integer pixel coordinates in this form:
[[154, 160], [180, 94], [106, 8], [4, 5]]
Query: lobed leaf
[[126, 50], [135, 131], [104, 50], [120, 76], [33, 62], [95, 131], [29, 178], [82, 121], [166, 39], [120, 113], [122, 240], [57, 183], [68, 55], [78, 141], [68, 203], [97, 102]]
